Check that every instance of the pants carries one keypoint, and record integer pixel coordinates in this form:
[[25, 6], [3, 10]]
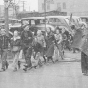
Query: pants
[[84, 62], [15, 60], [4, 57], [38, 55], [27, 53], [60, 48], [56, 54]]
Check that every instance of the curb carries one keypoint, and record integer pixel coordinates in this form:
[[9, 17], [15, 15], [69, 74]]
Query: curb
[[73, 60]]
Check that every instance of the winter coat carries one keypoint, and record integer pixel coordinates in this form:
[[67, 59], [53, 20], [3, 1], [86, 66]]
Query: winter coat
[[4, 41]]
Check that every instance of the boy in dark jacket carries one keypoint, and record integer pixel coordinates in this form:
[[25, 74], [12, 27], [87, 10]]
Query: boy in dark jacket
[[4, 43], [27, 38]]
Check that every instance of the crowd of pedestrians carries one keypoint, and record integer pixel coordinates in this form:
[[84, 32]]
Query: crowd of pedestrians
[[47, 45]]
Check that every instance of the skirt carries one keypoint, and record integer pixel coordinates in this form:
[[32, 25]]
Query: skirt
[[50, 51]]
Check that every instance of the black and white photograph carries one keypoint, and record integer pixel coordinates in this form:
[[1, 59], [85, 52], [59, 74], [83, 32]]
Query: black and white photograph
[[43, 43]]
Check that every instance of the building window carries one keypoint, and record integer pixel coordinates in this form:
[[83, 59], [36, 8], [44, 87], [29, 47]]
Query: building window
[[48, 6], [64, 5], [42, 6], [58, 6], [50, 1]]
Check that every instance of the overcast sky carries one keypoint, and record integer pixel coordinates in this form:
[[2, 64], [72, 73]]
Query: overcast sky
[[29, 4]]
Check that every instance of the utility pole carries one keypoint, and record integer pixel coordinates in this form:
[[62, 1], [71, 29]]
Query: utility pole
[[6, 16], [14, 12], [45, 7], [45, 12], [15, 8], [23, 2]]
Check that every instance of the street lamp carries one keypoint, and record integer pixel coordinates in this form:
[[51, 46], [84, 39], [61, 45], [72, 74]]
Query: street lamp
[[6, 4]]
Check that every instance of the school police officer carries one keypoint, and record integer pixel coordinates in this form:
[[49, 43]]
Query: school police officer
[[80, 41], [84, 56]]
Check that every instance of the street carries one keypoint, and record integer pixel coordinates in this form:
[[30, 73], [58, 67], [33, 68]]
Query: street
[[58, 75]]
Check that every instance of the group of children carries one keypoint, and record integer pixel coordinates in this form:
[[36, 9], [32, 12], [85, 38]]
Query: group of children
[[47, 45]]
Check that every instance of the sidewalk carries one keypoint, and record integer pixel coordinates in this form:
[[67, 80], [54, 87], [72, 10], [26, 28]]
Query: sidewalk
[[69, 56]]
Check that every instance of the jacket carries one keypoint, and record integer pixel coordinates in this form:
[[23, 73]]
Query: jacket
[[84, 47], [16, 42], [77, 39], [27, 38], [4, 42], [49, 39]]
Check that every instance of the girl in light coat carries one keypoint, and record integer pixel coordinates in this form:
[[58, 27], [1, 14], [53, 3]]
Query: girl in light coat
[[16, 47], [58, 42]]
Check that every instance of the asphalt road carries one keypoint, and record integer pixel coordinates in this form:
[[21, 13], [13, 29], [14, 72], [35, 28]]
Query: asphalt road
[[59, 75]]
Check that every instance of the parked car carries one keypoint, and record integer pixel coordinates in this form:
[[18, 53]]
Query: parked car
[[32, 21], [85, 19], [42, 27], [15, 27], [76, 20], [60, 21]]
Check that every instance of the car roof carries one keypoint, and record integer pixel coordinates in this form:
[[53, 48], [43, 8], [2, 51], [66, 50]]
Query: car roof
[[9, 19], [56, 16], [84, 16], [62, 16], [33, 18], [75, 17], [16, 25]]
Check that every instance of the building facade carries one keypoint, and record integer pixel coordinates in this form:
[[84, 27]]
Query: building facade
[[1, 11], [11, 11], [76, 7]]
